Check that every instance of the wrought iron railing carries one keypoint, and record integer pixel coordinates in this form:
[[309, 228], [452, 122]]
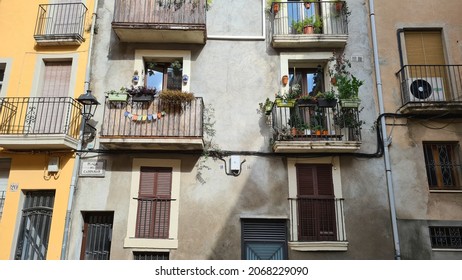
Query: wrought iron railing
[[161, 12], [40, 115], [2, 202], [314, 123], [430, 83], [153, 119], [153, 218], [60, 21], [327, 18], [317, 219]]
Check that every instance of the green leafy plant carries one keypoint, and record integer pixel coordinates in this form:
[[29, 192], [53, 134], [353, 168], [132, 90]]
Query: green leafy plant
[[314, 21], [348, 87], [328, 95], [266, 107]]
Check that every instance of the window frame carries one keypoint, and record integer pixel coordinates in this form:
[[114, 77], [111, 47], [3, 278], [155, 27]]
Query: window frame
[[141, 56], [446, 238], [6, 76], [296, 245], [171, 242]]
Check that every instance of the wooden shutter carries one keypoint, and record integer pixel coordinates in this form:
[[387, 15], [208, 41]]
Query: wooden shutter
[[56, 79], [424, 47], [315, 202], [154, 202]]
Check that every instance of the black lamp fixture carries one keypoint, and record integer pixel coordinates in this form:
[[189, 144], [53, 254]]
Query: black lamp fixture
[[89, 103]]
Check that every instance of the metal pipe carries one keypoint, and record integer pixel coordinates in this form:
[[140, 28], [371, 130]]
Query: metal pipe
[[75, 171], [391, 195]]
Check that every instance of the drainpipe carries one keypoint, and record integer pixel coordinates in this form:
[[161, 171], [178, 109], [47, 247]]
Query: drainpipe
[[75, 171], [386, 142]]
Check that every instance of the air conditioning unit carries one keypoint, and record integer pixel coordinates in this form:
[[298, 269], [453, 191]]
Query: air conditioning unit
[[427, 89]]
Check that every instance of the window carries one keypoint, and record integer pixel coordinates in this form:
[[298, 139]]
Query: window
[[2, 75], [151, 256], [442, 165], [163, 69], [446, 237], [97, 235], [35, 225], [154, 197], [164, 75], [316, 206], [153, 210], [4, 174], [264, 239], [315, 203]]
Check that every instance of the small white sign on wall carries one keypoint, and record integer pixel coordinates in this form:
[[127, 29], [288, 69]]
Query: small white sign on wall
[[93, 168]]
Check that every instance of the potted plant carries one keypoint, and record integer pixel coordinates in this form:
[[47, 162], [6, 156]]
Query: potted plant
[[176, 98], [349, 118], [307, 99], [327, 99], [273, 6], [117, 95], [142, 93], [308, 25], [347, 84], [288, 99], [348, 91], [297, 125], [267, 106]]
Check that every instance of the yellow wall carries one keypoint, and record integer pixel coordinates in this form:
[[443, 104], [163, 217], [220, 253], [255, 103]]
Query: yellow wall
[[28, 172], [17, 23]]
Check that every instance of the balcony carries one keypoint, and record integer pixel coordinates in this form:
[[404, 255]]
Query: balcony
[[60, 24], [153, 125], [317, 224], [160, 21], [39, 123], [323, 25], [431, 89], [314, 129]]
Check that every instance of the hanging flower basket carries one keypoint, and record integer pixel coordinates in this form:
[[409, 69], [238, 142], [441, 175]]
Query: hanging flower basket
[[285, 102], [350, 103], [117, 97], [327, 103]]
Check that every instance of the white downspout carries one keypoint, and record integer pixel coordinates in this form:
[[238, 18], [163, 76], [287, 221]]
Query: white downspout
[[391, 195], [75, 171]]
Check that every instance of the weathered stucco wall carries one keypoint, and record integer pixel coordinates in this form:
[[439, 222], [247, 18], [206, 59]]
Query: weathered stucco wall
[[233, 75]]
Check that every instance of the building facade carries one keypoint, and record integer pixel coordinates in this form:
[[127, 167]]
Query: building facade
[[219, 177], [216, 136], [420, 57], [43, 63]]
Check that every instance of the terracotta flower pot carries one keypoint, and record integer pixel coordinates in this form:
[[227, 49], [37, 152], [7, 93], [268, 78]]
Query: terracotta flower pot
[[275, 8], [285, 80], [309, 29], [307, 5]]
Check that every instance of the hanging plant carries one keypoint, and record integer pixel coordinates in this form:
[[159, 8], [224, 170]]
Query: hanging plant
[[176, 97]]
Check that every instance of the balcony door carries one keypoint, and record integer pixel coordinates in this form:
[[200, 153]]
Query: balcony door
[[427, 73], [48, 113]]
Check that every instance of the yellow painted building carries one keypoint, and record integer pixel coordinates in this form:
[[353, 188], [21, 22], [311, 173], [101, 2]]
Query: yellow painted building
[[43, 69]]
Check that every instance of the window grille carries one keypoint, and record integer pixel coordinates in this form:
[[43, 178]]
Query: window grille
[[151, 256], [442, 165], [446, 237], [97, 236], [35, 225]]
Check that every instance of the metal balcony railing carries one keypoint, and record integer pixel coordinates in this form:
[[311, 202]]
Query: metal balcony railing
[[60, 22], [160, 12], [153, 119], [317, 219], [153, 218], [40, 115], [431, 83], [327, 17], [313, 123], [2, 202]]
